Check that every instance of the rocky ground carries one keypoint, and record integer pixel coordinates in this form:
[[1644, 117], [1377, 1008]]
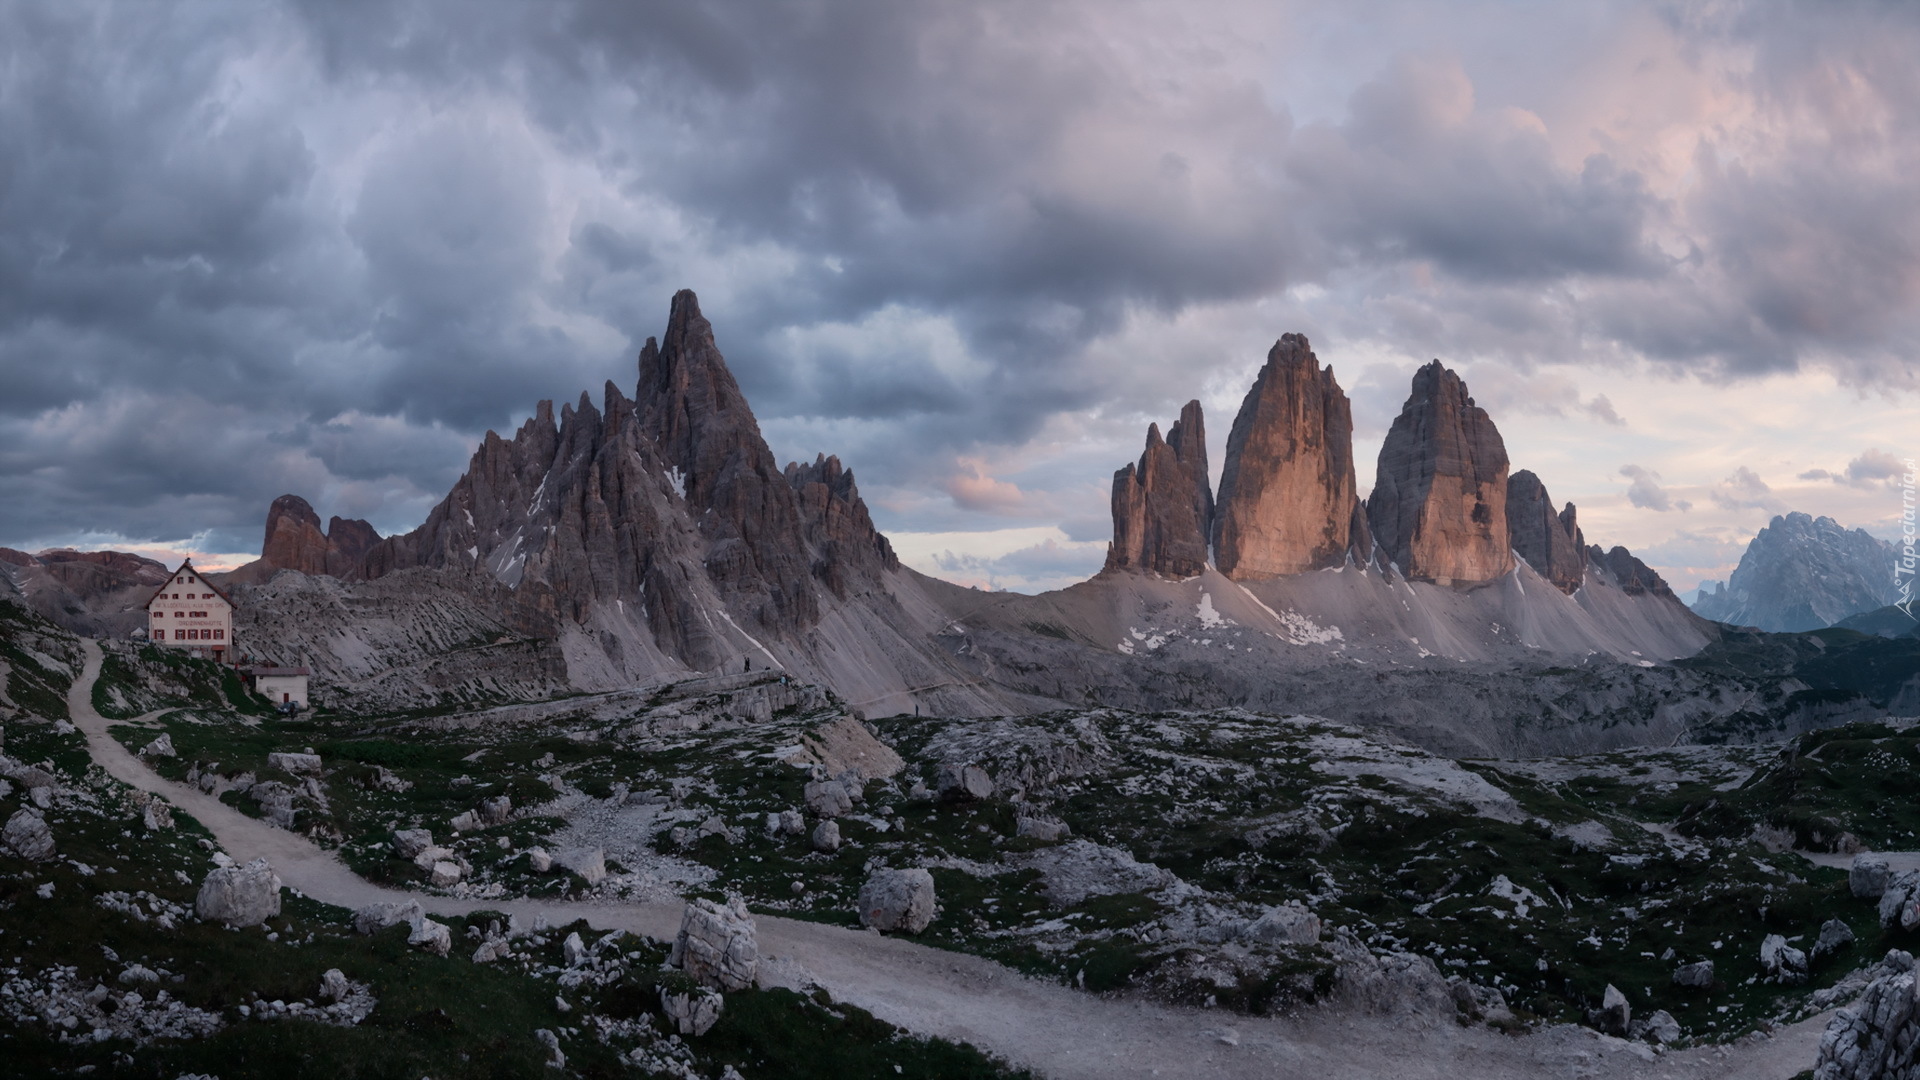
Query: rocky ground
[[1233, 864], [135, 945]]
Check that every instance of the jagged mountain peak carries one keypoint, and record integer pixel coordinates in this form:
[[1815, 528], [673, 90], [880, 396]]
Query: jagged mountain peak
[[1550, 543], [1803, 572], [293, 540], [1163, 506], [1438, 509], [1287, 493], [665, 509]]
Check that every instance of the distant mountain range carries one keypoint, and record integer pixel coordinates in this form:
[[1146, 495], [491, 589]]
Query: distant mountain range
[[653, 537], [1802, 573]]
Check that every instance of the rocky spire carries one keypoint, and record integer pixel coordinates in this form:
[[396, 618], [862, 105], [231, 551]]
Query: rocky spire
[[1287, 491], [1550, 543], [690, 406], [665, 507], [847, 549], [1163, 507], [294, 541], [1438, 509], [1634, 577]]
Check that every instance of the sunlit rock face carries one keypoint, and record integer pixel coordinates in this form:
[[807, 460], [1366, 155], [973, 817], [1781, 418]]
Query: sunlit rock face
[[1163, 506], [1287, 500], [1550, 543], [1438, 510], [294, 541]]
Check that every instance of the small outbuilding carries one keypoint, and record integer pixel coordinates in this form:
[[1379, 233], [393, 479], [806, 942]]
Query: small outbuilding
[[280, 685]]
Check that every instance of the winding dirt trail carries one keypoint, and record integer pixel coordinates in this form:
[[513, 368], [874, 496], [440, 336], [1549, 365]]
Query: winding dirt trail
[[1049, 1028]]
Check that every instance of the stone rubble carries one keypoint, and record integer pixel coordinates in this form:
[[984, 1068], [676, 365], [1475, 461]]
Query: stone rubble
[[1900, 903], [1878, 1036], [74, 1013], [1782, 962], [692, 1012]]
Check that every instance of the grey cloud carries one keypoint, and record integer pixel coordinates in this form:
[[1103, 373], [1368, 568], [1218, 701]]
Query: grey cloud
[[1646, 493], [1874, 466], [1045, 565], [1601, 409], [1745, 490], [1416, 173], [424, 216]]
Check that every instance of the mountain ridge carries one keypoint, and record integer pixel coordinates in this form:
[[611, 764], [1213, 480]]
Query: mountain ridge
[[651, 538]]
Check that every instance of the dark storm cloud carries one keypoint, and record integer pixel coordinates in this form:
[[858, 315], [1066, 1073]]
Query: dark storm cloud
[[321, 246], [1415, 172]]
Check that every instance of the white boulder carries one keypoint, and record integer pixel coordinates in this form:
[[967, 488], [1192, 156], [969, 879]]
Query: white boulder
[[589, 863], [1615, 1015], [826, 837], [897, 900], [1900, 903], [377, 917], [1288, 924], [829, 798], [1869, 875], [240, 895], [716, 945], [434, 937], [294, 763], [408, 843], [1781, 961], [26, 835], [963, 783]]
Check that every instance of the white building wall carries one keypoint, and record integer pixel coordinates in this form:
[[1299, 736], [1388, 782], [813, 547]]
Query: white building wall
[[189, 614], [279, 688]]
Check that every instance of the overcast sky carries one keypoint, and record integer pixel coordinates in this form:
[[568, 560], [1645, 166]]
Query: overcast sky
[[972, 248]]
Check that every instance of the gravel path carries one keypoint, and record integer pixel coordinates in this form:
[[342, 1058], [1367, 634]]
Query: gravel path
[[1056, 1031]]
